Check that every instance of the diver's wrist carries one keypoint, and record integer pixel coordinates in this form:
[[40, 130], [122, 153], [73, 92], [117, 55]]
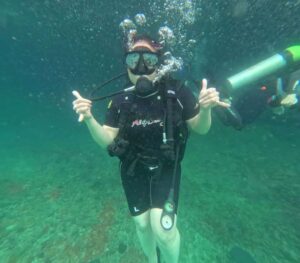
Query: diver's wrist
[[205, 110], [88, 118]]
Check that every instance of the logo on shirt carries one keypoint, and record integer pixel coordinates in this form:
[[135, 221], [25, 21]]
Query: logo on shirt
[[145, 123]]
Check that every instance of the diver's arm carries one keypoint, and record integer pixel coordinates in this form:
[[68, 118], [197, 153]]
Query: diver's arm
[[289, 97], [102, 134], [293, 82], [208, 98], [201, 123], [279, 88]]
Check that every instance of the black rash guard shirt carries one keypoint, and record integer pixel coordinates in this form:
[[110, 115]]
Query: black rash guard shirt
[[144, 126]]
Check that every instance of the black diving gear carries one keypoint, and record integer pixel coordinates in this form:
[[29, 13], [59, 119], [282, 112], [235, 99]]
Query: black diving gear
[[170, 152], [157, 159], [167, 217], [172, 149], [97, 89], [144, 87]]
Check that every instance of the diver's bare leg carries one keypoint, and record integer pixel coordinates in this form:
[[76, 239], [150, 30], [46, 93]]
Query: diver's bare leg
[[146, 236], [167, 240]]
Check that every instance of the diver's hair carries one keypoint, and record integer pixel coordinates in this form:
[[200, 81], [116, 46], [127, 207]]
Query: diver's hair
[[151, 41]]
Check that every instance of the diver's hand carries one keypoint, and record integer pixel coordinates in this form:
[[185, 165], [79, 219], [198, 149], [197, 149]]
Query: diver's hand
[[209, 97], [289, 100], [82, 106]]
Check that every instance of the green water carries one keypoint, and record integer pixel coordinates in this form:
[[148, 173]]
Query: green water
[[61, 198]]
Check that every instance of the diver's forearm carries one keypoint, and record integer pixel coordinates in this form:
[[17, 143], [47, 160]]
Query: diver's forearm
[[99, 134], [203, 121]]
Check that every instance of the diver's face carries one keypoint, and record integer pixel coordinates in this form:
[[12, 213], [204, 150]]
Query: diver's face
[[142, 60]]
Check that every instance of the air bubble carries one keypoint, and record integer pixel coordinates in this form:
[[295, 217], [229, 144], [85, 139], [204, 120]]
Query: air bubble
[[140, 19]]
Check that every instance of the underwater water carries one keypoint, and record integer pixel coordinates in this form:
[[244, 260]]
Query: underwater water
[[61, 198]]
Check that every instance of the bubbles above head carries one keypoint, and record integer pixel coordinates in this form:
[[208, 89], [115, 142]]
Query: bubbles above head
[[192, 41], [126, 25], [140, 19], [166, 36], [130, 39], [183, 11], [178, 18], [170, 64], [129, 29]]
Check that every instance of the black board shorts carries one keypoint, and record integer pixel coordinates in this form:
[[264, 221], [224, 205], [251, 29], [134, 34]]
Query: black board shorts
[[146, 188]]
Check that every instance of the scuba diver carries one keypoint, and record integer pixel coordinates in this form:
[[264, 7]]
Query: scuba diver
[[252, 90], [147, 128], [249, 103], [288, 90]]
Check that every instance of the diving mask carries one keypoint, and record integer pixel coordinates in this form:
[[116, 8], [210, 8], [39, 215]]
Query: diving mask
[[141, 62]]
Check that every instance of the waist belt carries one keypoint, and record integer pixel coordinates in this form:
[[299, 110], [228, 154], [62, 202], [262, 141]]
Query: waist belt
[[146, 160]]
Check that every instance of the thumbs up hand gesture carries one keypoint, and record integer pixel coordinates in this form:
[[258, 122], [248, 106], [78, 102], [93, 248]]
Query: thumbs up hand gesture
[[209, 97], [82, 106]]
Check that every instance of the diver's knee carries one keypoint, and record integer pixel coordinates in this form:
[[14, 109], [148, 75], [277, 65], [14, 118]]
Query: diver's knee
[[142, 222], [162, 235], [142, 226], [165, 236]]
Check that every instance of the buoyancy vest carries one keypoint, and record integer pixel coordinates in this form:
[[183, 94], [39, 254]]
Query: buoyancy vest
[[174, 128]]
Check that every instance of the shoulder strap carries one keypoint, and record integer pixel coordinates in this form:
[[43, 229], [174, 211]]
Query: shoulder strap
[[172, 115], [125, 111]]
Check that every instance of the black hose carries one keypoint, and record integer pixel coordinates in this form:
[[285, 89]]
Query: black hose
[[103, 85]]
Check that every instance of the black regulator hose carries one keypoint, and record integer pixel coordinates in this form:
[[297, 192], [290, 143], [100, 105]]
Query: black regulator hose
[[92, 98]]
